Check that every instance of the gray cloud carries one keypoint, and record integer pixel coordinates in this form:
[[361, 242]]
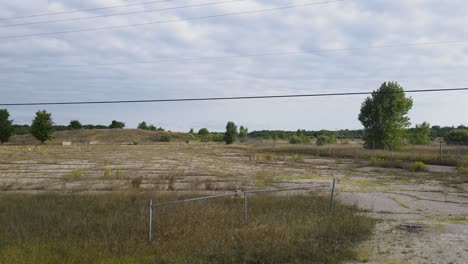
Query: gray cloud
[[348, 24]]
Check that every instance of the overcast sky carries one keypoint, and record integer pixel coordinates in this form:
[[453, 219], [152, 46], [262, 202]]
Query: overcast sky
[[28, 69]]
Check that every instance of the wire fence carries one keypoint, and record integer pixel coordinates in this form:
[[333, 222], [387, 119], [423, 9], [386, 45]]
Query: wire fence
[[437, 153], [245, 194]]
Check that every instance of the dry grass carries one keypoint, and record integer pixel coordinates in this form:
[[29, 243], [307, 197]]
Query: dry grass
[[104, 136], [428, 154], [112, 228]]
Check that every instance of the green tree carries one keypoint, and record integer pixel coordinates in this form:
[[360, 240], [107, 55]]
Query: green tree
[[243, 132], [117, 124], [152, 128], [75, 124], [6, 128], [457, 136], [143, 126], [231, 133], [384, 117], [203, 132], [422, 134], [42, 125], [191, 131]]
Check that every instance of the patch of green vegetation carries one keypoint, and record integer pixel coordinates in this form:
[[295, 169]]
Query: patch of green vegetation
[[115, 173], [463, 170], [263, 180], [107, 172], [400, 203], [366, 183], [418, 166], [298, 177], [297, 158], [74, 175], [97, 229]]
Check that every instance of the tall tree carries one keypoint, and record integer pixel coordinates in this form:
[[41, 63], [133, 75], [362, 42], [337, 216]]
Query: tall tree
[[6, 128], [143, 126], [384, 117], [41, 127], [422, 134], [75, 124], [243, 132], [203, 132], [117, 124], [231, 133]]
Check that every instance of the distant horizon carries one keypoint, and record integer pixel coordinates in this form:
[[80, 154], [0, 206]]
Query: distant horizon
[[238, 125]]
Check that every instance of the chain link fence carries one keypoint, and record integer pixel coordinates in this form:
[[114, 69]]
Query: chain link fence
[[152, 207]]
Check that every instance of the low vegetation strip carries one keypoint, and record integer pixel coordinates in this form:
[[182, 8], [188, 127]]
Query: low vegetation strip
[[112, 228]]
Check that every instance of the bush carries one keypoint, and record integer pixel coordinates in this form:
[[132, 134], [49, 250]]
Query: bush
[[295, 140], [322, 140], [463, 170], [299, 140], [203, 132], [376, 161], [117, 125], [457, 135], [418, 166], [74, 125], [137, 182], [166, 138]]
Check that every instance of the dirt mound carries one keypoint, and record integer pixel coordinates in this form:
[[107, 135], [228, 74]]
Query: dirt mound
[[104, 136]]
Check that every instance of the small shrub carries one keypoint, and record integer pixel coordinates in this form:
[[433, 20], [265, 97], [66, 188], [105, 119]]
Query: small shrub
[[418, 166], [137, 182], [322, 140], [170, 184], [107, 172], [463, 170], [210, 186], [266, 157], [74, 175], [297, 158], [376, 161], [299, 140], [166, 138]]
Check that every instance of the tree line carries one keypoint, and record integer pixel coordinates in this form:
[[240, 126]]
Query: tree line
[[384, 116], [43, 126]]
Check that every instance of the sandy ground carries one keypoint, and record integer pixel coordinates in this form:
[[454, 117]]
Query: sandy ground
[[422, 217]]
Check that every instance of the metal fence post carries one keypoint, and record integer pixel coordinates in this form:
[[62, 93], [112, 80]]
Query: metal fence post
[[150, 220], [332, 193], [246, 216], [440, 150]]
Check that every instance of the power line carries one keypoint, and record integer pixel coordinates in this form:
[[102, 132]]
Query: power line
[[170, 21], [120, 14], [247, 55], [84, 10], [225, 98]]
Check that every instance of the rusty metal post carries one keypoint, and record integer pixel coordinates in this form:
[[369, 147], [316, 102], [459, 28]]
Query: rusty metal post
[[332, 193], [150, 220], [246, 216]]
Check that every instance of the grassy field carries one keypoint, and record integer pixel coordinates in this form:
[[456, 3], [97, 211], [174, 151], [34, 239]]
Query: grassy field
[[88, 204], [112, 228]]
